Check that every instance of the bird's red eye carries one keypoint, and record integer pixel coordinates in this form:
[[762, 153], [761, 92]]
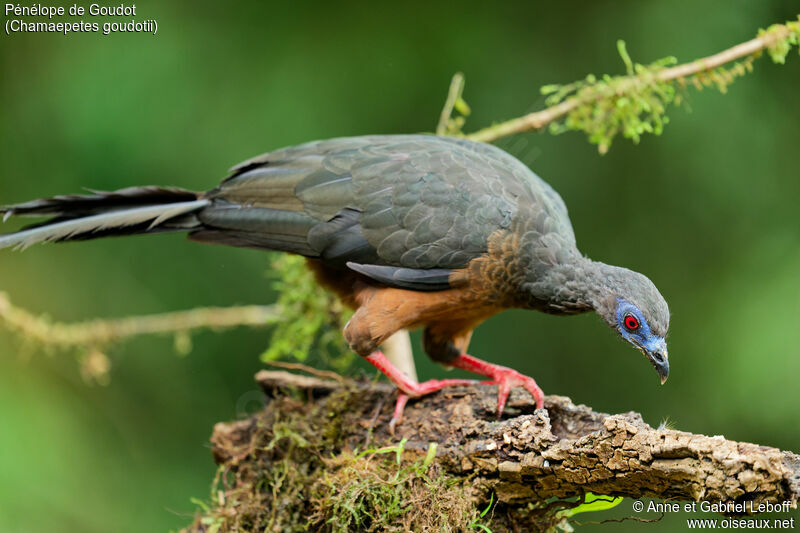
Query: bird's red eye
[[631, 323]]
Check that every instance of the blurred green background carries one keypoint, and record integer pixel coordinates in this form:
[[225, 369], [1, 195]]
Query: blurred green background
[[715, 197]]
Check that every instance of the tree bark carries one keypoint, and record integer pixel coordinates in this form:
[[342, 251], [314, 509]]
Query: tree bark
[[527, 457]]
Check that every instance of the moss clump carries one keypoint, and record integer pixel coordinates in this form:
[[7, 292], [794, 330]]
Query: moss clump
[[371, 492], [285, 470], [312, 318]]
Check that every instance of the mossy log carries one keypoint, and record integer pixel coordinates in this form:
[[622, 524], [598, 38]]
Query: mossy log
[[312, 458]]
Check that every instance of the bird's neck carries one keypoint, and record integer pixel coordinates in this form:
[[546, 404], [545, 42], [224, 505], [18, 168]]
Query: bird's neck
[[575, 287]]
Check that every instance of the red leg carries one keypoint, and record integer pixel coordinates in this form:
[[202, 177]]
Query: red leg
[[505, 379], [409, 388]]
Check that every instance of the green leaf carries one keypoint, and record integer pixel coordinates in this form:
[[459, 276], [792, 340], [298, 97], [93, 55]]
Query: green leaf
[[594, 502], [429, 457], [482, 527], [488, 507]]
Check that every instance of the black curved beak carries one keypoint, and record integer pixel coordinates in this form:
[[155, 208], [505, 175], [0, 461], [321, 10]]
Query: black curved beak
[[660, 360]]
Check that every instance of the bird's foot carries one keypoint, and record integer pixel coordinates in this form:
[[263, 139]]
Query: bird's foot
[[409, 388], [505, 378]]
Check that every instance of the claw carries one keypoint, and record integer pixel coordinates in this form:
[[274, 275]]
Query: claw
[[505, 379], [503, 390]]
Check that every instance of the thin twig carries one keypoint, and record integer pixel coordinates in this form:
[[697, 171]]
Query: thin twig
[[453, 94], [305, 368], [99, 332], [540, 119]]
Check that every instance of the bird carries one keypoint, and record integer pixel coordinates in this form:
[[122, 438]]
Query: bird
[[410, 231]]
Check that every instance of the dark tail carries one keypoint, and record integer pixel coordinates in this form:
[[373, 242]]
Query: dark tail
[[129, 211]]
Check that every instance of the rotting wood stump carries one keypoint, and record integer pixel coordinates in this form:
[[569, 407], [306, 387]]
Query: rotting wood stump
[[296, 463]]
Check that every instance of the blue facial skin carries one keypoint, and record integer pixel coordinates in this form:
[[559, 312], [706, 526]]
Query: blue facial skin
[[653, 346]]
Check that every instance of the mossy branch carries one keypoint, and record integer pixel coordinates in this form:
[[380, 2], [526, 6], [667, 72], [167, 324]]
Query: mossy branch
[[43, 330], [92, 337], [635, 103], [320, 456]]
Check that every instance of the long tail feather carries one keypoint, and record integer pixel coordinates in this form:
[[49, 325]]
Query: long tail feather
[[76, 227], [81, 205]]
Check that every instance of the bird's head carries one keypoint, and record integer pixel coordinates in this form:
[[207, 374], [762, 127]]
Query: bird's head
[[647, 335], [638, 312], [626, 300]]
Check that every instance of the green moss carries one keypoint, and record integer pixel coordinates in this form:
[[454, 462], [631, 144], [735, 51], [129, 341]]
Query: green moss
[[781, 47], [375, 492], [291, 477], [311, 317], [631, 105]]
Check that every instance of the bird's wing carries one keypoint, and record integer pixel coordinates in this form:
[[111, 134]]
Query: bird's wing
[[428, 279], [395, 206]]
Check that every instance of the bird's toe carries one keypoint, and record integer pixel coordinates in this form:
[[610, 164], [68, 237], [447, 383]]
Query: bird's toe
[[507, 379], [399, 407]]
